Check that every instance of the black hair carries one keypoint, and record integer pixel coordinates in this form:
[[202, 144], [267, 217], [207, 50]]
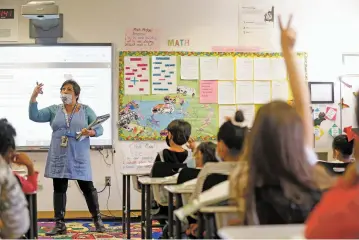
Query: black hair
[[7, 136], [341, 144], [75, 86], [208, 150], [180, 130], [232, 134]]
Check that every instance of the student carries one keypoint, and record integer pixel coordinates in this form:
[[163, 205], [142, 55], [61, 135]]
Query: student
[[230, 142], [342, 149], [14, 213], [280, 183], [336, 216], [179, 133], [204, 153], [29, 184]]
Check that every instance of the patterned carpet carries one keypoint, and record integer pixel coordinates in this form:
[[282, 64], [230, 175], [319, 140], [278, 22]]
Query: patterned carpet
[[83, 230]]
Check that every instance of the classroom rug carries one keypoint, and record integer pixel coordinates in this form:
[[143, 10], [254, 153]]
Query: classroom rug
[[84, 230]]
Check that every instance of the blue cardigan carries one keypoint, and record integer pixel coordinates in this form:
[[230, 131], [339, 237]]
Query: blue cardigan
[[48, 114]]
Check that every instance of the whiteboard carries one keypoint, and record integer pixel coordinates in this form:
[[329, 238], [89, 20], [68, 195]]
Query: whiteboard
[[21, 66]]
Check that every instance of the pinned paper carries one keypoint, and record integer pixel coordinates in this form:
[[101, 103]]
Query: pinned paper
[[164, 74], [318, 132], [331, 113], [137, 75], [208, 91], [316, 113], [189, 68], [335, 131]]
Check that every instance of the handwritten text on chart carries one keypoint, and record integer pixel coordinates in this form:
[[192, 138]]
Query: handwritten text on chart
[[140, 39]]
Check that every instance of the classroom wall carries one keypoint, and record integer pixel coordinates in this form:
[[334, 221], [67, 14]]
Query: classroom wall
[[325, 30]]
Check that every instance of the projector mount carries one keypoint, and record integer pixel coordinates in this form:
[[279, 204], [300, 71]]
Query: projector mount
[[46, 23]]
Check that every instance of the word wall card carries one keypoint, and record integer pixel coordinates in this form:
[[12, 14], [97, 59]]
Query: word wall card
[[137, 75]]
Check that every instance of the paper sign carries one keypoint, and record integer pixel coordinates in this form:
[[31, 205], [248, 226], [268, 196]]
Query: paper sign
[[318, 132], [141, 39], [226, 92], [316, 113], [208, 91], [225, 68], [262, 69], [209, 68], [189, 68], [136, 75], [244, 68], [331, 113], [335, 131], [244, 92], [262, 92], [164, 74]]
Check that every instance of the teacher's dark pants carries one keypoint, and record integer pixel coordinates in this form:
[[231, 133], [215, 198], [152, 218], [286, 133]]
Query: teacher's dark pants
[[61, 185]]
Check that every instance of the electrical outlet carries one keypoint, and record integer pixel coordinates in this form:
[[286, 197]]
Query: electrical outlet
[[108, 181]]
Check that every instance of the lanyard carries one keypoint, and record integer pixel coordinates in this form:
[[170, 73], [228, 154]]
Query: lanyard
[[67, 118]]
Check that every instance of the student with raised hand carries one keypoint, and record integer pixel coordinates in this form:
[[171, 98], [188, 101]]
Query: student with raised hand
[[280, 183]]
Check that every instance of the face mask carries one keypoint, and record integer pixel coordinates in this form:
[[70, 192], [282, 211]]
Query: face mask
[[219, 159], [66, 98], [168, 141]]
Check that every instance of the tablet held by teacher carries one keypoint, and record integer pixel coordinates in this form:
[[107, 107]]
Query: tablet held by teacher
[[68, 158]]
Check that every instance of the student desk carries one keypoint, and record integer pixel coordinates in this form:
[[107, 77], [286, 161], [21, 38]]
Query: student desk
[[146, 182], [291, 231], [32, 204], [126, 200], [203, 219], [174, 190]]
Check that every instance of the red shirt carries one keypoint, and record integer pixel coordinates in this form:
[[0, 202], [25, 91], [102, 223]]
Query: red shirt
[[29, 184], [336, 216]]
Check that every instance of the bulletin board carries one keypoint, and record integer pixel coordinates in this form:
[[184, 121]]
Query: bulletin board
[[199, 87]]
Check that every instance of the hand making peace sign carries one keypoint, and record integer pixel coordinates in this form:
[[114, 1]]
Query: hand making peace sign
[[287, 35]]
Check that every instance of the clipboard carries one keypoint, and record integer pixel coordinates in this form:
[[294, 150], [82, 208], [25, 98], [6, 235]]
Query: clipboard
[[98, 121]]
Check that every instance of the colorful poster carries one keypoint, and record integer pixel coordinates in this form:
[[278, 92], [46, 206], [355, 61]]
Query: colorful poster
[[137, 75], [147, 117], [164, 74], [318, 132], [208, 91], [335, 131], [141, 39], [331, 113]]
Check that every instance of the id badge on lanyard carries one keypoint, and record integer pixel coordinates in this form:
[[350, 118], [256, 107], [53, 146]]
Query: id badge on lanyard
[[65, 139]]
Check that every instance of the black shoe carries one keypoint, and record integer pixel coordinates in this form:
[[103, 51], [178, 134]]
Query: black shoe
[[99, 224], [59, 209], [94, 208]]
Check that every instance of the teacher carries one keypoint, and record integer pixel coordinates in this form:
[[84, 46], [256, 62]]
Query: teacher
[[68, 158]]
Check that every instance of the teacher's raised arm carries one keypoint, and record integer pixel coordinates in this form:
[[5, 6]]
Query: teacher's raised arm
[[36, 115]]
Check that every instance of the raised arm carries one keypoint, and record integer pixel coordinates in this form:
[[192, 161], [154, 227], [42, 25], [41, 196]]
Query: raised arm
[[92, 117], [36, 115], [14, 213], [296, 80]]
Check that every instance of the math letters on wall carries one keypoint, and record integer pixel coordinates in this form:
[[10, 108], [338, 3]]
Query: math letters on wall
[[199, 87]]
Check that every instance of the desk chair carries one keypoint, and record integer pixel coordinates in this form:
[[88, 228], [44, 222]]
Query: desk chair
[[160, 196], [335, 168]]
